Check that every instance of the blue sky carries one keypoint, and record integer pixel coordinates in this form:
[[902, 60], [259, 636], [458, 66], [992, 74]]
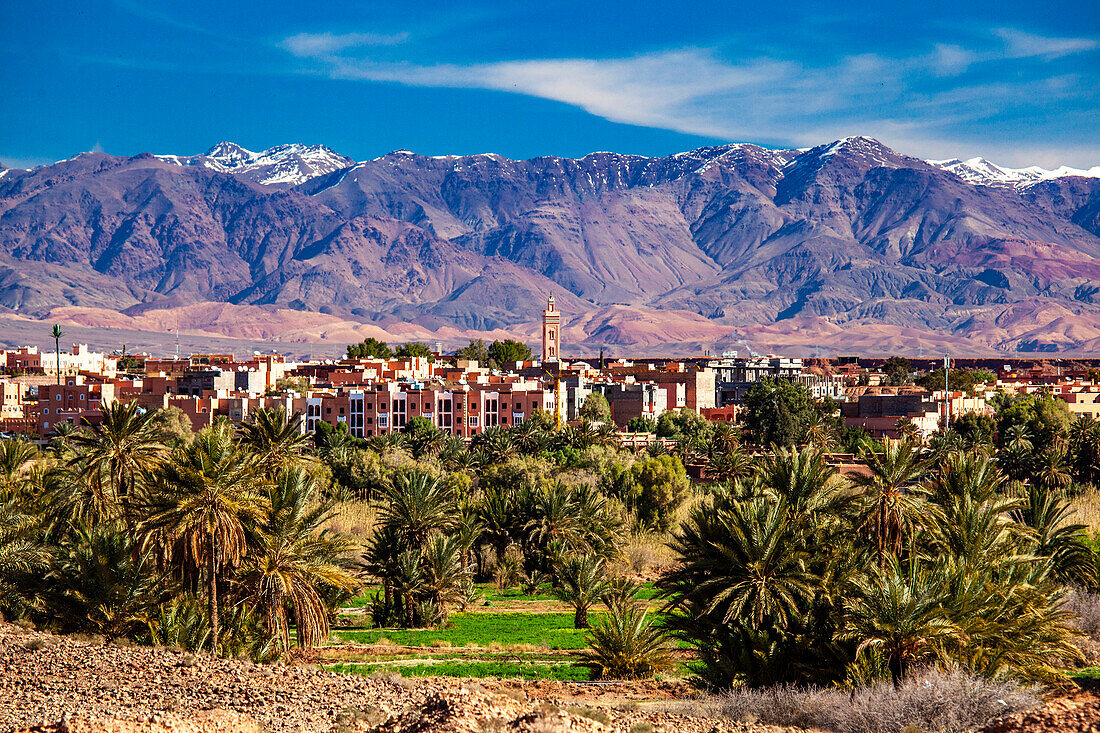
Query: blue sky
[[1018, 85]]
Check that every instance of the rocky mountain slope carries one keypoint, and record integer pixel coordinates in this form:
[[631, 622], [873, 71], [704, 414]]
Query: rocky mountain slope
[[701, 249]]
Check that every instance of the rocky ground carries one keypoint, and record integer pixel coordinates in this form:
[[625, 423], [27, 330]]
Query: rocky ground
[[1077, 712], [61, 684]]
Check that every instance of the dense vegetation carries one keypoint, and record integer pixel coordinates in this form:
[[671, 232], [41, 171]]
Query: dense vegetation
[[958, 550]]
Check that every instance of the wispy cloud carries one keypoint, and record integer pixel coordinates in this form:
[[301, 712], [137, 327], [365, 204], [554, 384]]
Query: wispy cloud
[[1019, 44], [908, 101], [319, 44]]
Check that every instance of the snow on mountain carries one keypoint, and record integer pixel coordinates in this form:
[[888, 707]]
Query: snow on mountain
[[282, 166], [980, 172]]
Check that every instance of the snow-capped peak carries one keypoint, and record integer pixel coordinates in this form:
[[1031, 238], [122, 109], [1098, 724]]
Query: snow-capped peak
[[282, 165], [981, 172]]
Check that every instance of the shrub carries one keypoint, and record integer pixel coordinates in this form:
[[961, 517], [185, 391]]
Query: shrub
[[625, 644], [947, 701]]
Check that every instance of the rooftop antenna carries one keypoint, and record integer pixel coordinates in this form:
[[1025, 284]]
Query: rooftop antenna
[[177, 338]]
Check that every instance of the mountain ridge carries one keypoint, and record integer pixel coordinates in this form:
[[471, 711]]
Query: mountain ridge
[[740, 235]]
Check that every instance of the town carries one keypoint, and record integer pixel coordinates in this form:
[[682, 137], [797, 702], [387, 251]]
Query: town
[[45, 392]]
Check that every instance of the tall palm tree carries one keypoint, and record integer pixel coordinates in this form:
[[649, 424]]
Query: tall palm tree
[[889, 506], [293, 559], [583, 584], [212, 490], [276, 437], [116, 459], [57, 333], [444, 572]]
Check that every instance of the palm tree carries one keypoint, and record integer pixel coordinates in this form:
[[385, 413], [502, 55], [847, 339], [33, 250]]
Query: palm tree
[[1084, 448], [293, 559], [57, 333], [889, 508], [16, 455], [740, 560], [117, 458], [1051, 470], [276, 437], [21, 552], [626, 645], [582, 585], [211, 492], [417, 505], [1072, 561], [802, 479], [901, 614], [729, 465], [443, 571]]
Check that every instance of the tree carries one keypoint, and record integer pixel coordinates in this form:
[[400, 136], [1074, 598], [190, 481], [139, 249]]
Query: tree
[[778, 412], [57, 333], [582, 585], [509, 351], [960, 380], [173, 423], [211, 493], [417, 505], [595, 408], [411, 349], [974, 429], [115, 462], [900, 614], [276, 437], [897, 370], [294, 560], [370, 348], [641, 424], [655, 489], [476, 350], [889, 507]]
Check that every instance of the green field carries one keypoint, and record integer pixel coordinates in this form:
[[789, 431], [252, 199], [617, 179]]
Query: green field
[[454, 668], [549, 630]]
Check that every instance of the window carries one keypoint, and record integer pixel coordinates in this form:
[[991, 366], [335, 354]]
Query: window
[[45, 411], [370, 421], [81, 398], [57, 397], [473, 421], [383, 421]]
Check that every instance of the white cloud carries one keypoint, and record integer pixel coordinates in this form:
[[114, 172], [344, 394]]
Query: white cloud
[[1019, 44], [321, 44], [694, 90]]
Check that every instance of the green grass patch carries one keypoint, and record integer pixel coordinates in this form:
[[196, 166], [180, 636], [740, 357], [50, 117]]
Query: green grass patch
[[554, 630], [518, 670]]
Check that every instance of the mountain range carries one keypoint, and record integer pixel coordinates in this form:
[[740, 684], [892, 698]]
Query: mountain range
[[847, 246]]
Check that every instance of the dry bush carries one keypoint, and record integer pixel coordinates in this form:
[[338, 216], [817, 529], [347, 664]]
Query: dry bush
[[947, 701], [1085, 607], [354, 518], [648, 554], [1086, 509]]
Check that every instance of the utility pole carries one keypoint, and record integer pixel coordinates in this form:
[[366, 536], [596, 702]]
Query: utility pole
[[946, 392]]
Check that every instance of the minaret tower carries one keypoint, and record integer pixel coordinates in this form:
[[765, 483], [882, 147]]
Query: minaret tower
[[551, 332]]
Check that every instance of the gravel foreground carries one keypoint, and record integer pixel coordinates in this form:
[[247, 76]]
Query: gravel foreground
[[60, 684]]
